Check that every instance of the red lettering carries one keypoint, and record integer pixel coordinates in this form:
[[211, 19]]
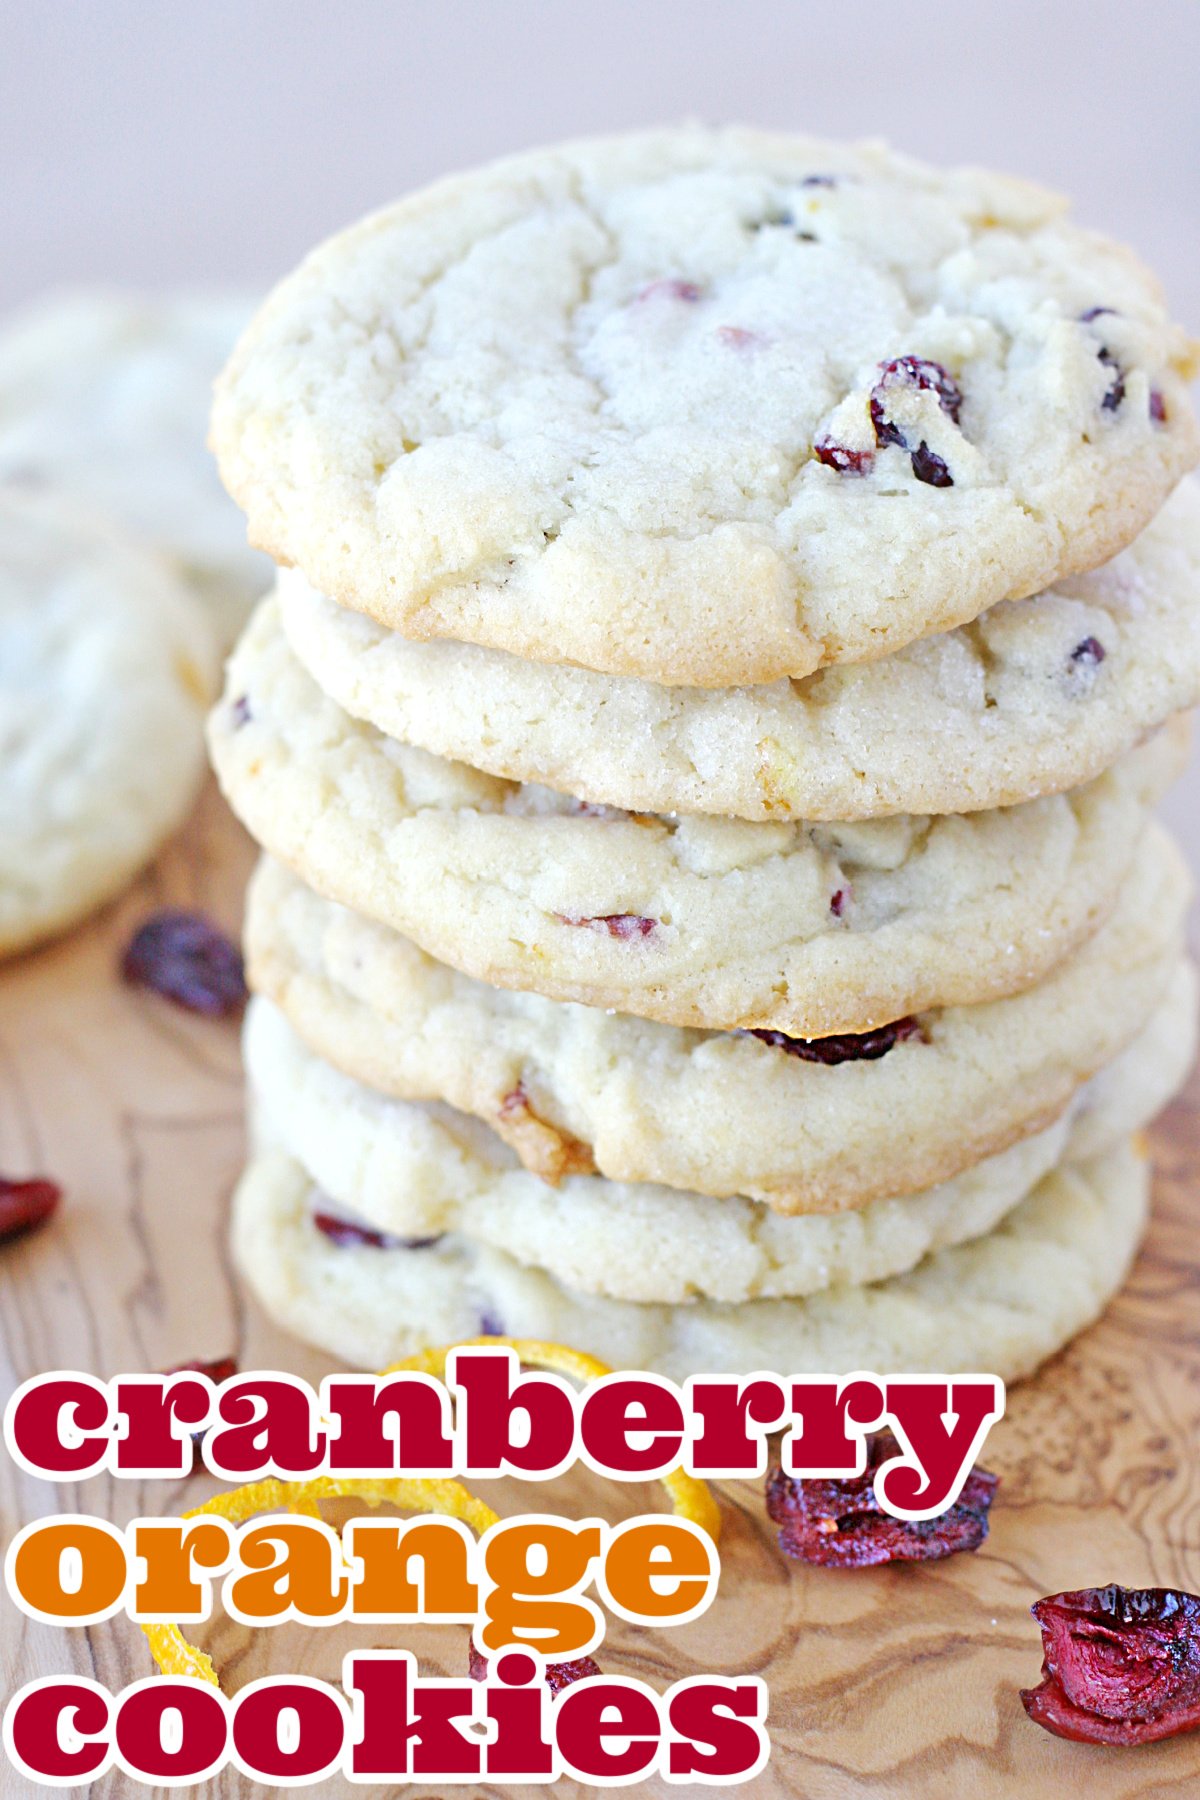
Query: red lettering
[[398, 1424], [710, 1717], [927, 1482], [57, 1425], [494, 1394], [725, 1445], [585, 1723], [622, 1407], [822, 1441], [266, 1428], [288, 1731]]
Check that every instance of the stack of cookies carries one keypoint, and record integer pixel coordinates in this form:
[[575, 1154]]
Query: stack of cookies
[[735, 604]]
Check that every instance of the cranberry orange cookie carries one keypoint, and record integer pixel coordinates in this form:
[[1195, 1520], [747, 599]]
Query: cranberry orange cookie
[[107, 666], [410, 1172], [108, 395], [809, 1126], [705, 407], [696, 921], [1035, 696], [1003, 1302]]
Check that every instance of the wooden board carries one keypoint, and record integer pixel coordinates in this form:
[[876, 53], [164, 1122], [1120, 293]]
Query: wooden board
[[883, 1682]]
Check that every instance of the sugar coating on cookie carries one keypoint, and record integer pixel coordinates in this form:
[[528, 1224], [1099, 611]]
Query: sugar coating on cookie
[[107, 666], [1003, 1302], [706, 407], [1034, 697], [412, 1172], [806, 1127], [696, 921], [107, 395]]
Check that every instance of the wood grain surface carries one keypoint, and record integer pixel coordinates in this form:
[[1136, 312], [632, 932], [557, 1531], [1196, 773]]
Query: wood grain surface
[[893, 1682]]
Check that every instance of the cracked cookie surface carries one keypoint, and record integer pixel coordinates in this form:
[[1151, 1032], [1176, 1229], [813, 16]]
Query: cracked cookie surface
[[705, 407]]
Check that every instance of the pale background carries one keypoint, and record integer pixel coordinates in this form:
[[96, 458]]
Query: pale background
[[198, 141]]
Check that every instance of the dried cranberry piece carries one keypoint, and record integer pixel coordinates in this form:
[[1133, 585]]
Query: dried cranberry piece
[[848, 1046], [1120, 1665], [911, 371], [839, 901], [348, 1232], [672, 288], [1116, 387], [929, 467], [557, 1675], [1088, 653], [738, 338], [25, 1206], [840, 1524], [1158, 406], [187, 959], [842, 458], [221, 1370], [218, 1371], [618, 925]]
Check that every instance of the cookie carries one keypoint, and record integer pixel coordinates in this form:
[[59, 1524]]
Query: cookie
[[693, 921], [107, 395], [107, 666], [706, 407], [1034, 697], [575, 1088], [414, 1172], [1004, 1302]]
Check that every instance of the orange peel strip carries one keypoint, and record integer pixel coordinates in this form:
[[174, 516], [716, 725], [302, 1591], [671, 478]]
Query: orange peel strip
[[168, 1646], [690, 1498]]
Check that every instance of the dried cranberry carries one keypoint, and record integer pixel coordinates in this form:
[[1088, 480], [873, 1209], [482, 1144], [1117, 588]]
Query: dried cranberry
[[840, 1524], [186, 958], [222, 1370], [1158, 406], [911, 371], [671, 288], [929, 467], [1088, 653], [842, 458], [849, 1046], [839, 902], [25, 1206], [618, 925], [737, 337], [1116, 387], [557, 1675], [1120, 1665], [346, 1233]]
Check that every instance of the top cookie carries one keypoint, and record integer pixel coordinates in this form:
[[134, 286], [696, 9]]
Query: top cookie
[[706, 407], [107, 395]]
